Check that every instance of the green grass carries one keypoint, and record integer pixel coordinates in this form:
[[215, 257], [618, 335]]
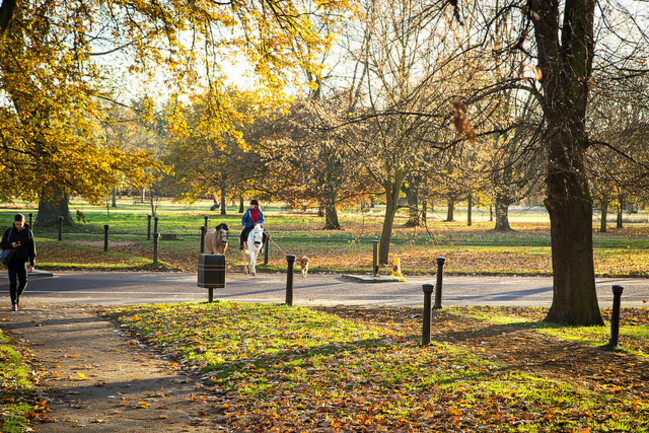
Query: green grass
[[469, 250], [633, 330], [295, 369], [16, 399]]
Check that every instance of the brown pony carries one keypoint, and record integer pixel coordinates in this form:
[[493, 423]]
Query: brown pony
[[216, 240]]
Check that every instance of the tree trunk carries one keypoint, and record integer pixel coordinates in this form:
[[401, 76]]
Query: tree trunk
[[565, 49], [413, 207], [602, 225], [392, 189], [331, 212], [6, 13], [469, 206], [619, 223], [491, 212], [450, 209], [49, 210], [502, 213], [241, 207], [224, 209], [113, 195], [575, 300]]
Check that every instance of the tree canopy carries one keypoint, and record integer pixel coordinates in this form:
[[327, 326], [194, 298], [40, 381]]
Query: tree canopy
[[61, 63]]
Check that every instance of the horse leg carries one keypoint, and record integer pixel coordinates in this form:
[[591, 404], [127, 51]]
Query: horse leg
[[253, 262]]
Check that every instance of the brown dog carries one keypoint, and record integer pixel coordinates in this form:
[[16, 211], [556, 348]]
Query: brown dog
[[303, 264]]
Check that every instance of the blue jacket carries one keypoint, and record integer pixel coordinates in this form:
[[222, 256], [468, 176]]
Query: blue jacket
[[246, 220]]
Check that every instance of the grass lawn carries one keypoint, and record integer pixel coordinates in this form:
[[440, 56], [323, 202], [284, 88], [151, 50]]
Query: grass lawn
[[468, 250], [275, 368]]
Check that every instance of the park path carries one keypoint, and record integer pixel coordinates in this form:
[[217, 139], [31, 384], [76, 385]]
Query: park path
[[98, 379], [117, 288]]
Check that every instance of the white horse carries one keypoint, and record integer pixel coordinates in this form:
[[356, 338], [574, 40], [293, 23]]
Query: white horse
[[250, 254]]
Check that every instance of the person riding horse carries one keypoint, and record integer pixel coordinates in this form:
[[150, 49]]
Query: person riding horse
[[253, 216]]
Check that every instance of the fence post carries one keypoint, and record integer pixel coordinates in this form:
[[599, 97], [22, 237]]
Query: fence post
[[266, 251], [156, 236], [30, 222], [148, 227], [615, 316], [428, 313], [203, 229], [438, 286], [375, 258], [290, 259], [206, 217], [105, 237], [60, 227], [155, 224]]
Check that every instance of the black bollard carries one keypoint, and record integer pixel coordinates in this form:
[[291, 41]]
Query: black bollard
[[615, 316], [105, 237], [155, 224], [266, 251], [30, 221], [428, 314], [290, 259], [60, 227], [148, 227], [205, 224], [375, 258], [438, 286], [156, 236], [203, 230]]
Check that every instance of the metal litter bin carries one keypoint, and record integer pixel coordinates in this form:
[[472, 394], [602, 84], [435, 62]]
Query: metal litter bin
[[211, 272]]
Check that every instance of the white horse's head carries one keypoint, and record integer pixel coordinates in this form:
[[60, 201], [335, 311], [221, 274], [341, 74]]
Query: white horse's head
[[256, 236]]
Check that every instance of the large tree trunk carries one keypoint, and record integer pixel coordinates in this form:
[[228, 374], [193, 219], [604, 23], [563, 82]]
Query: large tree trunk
[[392, 189], [49, 210], [331, 212], [565, 50], [570, 208], [469, 207], [502, 213]]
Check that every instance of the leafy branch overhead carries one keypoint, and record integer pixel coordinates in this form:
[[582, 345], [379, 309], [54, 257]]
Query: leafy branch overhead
[[63, 63]]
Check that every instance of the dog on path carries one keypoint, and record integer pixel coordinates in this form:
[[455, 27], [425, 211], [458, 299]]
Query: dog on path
[[303, 264]]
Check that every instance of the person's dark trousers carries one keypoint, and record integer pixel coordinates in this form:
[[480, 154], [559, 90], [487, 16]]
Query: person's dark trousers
[[17, 279], [243, 236]]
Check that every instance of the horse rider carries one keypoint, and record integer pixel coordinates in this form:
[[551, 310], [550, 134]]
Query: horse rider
[[253, 216]]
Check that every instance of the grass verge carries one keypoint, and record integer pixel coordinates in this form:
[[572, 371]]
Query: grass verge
[[17, 400], [276, 368]]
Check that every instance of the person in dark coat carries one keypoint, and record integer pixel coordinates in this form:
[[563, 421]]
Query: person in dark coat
[[21, 239]]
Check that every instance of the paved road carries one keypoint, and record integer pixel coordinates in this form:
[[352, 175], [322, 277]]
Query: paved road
[[114, 288]]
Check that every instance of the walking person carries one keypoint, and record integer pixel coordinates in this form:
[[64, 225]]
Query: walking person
[[21, 239], [252, 216]]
